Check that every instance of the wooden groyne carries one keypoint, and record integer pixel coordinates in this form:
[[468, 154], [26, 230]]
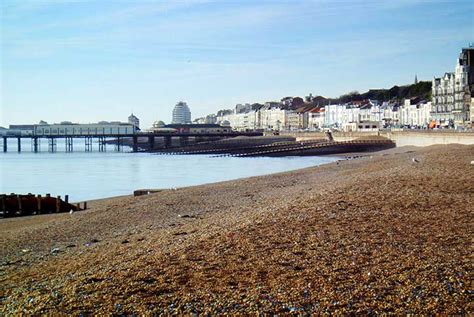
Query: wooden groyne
[[291, 148], [323, 148], [217, 149], [13, 205], [239, 144]]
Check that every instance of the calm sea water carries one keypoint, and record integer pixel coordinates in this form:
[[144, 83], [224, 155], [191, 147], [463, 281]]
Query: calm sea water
[[92, 175]]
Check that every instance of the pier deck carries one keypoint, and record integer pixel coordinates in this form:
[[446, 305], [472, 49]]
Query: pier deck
[[102, 139]]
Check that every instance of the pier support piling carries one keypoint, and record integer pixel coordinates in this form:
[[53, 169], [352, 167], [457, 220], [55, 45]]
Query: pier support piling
[[69, 144], [52, 145], [35, 144], [102, 144], [151, 142], [88, 144], [183, 140], [167, 141], [135, 143], [118, 145]]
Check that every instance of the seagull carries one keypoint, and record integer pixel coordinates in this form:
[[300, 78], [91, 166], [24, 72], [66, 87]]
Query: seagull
[[414, 160]]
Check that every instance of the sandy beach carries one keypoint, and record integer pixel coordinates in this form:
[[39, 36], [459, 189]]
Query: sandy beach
[[378, 234]]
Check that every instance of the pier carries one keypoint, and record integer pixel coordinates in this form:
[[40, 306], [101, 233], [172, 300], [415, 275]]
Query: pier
[[118, 139]]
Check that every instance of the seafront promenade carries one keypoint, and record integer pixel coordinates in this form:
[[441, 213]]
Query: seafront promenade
[[380, 234], [400, 137]]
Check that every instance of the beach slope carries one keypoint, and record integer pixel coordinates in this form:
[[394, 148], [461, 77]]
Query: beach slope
[[387, 233]]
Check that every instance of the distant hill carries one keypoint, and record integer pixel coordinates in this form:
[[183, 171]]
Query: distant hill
[[422, 90]]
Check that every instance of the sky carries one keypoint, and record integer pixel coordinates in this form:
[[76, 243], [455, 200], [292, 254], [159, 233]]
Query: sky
[[88, 61]]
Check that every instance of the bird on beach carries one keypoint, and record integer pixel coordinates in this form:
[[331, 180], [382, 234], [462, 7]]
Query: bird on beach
[[414, 160]]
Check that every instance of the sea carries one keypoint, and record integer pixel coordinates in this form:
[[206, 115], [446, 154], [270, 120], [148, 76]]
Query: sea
[[94, 175]]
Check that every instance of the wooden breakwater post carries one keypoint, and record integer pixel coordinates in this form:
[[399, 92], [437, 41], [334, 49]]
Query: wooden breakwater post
[[29, 204], [20, 210], [66, 198], [58, 204], [38, 203], [3, 203], [85, 205]]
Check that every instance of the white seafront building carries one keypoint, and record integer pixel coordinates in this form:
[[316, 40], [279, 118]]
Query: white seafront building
[[316, 118], [133, 120], [361, 115], [272, 118], [451, 94], [415, 114], [181, 114]]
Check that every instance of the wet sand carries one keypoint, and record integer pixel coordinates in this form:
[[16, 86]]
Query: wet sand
[[379, 234]]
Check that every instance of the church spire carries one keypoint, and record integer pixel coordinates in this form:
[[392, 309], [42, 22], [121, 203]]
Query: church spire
[[416, 79]]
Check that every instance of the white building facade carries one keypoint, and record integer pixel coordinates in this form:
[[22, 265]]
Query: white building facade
[[451, 93], [181, 113], [133, 120]]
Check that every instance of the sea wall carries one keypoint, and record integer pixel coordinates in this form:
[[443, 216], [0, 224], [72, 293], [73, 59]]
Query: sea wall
[[401, 138]]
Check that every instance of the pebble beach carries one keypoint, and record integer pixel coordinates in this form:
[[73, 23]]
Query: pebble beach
[[387, 233]]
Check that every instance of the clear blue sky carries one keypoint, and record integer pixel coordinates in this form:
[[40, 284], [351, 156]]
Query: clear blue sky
[[85, 61]]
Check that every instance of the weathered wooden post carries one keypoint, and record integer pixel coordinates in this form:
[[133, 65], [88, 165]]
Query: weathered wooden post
[[19, 144], [5, 146], [78, 205], [38, 202], [3, 204], [58, 204], [48, 195], [20, 211], [66, 198], [85, 205]]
